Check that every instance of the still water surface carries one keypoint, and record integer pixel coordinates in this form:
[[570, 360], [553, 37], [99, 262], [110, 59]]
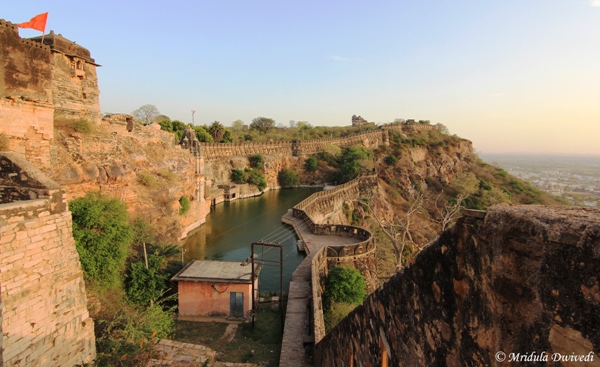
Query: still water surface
[[230, 229]]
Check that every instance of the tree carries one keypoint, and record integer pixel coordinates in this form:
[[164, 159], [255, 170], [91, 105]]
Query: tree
[[102, 237], [287, 177], [401, 227], [466, 184], [311, 164], [262, 124], [202, 134], [442, 129], [146, 114], [344, 284], [216, 130], [237, 126]]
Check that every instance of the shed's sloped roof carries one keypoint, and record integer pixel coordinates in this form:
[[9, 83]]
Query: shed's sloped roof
[[217, 271]]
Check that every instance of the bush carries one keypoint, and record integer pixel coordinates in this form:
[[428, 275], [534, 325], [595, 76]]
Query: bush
[[391, 160], [167, 175], [102, 237], [237, 176], [257, 161], [344, 284], [288, 178], [257, 178], [145, 285], [147, 179], [311, 164], [4, 142], [80, 125], [185, 205]]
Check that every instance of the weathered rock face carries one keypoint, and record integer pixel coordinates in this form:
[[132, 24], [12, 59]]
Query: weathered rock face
[[142, 167], [523, 280]]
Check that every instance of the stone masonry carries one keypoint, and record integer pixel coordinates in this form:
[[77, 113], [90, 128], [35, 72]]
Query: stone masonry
[[44, 317], [521, 282]]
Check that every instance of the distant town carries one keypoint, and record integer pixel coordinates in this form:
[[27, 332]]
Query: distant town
[[576, 179]]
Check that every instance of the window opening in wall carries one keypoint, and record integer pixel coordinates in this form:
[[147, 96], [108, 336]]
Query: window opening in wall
[[84, 96]]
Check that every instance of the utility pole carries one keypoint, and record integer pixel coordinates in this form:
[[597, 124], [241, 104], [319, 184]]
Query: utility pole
[[274, 263], [193, 112]]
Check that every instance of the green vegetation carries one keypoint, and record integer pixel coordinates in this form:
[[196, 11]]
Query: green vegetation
[[132, 312], [257, 161], [288, 178], [352, 163], [184, 203], [391, 160], [237, 176], [345, 288], [262, 124], [311, 164], [167, 175], [102, 237], [255, 177]]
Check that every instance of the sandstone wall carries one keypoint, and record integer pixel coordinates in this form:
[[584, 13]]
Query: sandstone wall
[[45, 321], [523, 280], [26, 108]]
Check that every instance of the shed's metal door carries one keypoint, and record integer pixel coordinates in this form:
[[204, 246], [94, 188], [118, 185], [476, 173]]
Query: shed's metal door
[[236, 304]]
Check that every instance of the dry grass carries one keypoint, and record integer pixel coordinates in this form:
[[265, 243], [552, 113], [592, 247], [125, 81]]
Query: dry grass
[[4, 142]]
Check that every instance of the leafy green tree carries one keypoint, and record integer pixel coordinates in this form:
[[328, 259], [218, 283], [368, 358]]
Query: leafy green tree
[[237, 176], [145, 285], [146, 114], [311, 164], [202, 134], [288, 178], [166, 125], [257, 161], [102, 237], [227, 138], [344, 284], [216, 130], [350, 162], [262, 124], [178, 128]]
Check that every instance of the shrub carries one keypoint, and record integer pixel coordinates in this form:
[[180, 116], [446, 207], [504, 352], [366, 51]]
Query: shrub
[[102, 237], [257, 161], [257, 178], [185, 205], [80, 125], [167, 175], [391, 160], [145, 285], [147, 179], [344, 284], [311, 164], [4, 142], [237, 176], [288, 178]]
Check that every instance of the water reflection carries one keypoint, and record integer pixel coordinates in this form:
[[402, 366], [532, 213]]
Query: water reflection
[[231, 228]]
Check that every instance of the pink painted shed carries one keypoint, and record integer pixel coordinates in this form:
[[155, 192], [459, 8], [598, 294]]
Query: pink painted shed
[[216, 288]]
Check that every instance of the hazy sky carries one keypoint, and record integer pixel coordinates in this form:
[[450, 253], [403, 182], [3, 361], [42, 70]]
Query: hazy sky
[[510, 75]]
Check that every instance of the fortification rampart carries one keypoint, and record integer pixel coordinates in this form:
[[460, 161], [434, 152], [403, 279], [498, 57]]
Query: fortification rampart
[[44, 317], [26, 109], [522, 281], [360, 255]]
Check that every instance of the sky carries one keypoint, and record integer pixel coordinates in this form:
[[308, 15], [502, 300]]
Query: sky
[[512, 76]]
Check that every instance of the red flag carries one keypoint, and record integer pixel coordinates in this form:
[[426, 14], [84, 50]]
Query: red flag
[[38, 22]]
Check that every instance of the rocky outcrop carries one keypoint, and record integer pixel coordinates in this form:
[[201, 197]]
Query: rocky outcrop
[[521, 283]]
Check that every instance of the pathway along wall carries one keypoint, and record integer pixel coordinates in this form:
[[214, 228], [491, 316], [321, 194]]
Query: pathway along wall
[[44, 319], [361, 255], [523, 280]]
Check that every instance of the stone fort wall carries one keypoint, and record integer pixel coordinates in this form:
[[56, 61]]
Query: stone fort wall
[[523, 280], [43, 303], [26, 109]]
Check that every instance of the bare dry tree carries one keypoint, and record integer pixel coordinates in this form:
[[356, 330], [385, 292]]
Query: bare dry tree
[[447, 214], [401, 228]]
